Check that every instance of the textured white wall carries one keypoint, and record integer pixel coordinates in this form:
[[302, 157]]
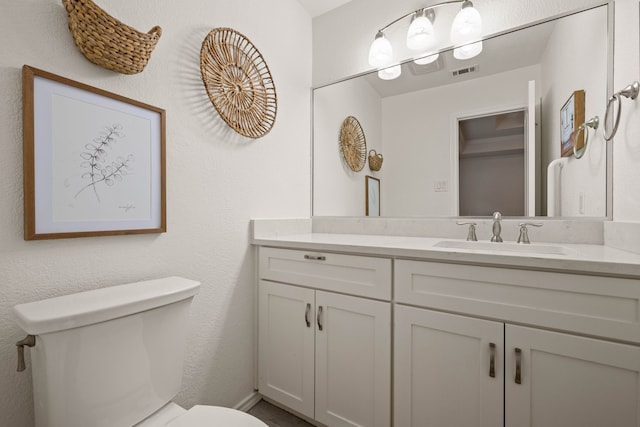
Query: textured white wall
[[626, 144], [216, 181]]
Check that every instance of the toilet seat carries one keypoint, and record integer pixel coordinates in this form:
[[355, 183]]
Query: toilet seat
[[212, 416]]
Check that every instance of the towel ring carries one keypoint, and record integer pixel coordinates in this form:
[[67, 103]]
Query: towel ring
[[631, 92], [593, 123]]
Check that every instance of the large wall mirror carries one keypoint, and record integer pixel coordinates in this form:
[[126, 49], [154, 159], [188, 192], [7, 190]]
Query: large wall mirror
[[470, 137]]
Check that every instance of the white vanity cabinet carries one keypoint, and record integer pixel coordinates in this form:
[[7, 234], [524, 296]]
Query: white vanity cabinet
[[569, 381], [286, 345], [458, 369], [323, 353], [448, 370]]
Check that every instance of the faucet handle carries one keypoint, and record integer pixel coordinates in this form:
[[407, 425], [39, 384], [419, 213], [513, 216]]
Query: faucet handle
[[472, 230], [524, 234]]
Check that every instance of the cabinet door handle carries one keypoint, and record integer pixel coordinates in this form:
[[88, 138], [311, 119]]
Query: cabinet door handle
[[518, 378], [316, 257], [492, 360], [320, 318], [306, 315]]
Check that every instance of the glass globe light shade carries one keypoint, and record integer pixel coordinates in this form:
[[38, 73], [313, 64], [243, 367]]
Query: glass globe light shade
[[468, 51], [467, 25], [380, 52], [420, 34], [427, 59], [390, 73]]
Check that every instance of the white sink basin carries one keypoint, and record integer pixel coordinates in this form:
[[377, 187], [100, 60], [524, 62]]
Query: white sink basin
[[518, 248]]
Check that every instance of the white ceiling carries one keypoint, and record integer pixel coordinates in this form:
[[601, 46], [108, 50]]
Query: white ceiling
[[318, 7]]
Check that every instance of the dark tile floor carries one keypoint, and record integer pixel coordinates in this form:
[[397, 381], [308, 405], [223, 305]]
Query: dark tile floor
[[276, 417]]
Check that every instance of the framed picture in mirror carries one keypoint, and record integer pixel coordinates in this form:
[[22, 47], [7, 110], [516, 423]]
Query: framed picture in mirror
[[571, 116], [372, 191]]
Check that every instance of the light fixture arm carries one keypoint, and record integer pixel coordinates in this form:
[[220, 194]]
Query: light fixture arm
[[424, 9]]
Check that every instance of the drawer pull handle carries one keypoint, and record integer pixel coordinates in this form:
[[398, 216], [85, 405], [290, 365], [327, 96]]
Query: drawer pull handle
[[492, 360], [316, 257], [306, 315], [518, 378], [320, 318]]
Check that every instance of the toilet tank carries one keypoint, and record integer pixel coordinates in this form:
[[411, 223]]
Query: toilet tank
[[107, 357]]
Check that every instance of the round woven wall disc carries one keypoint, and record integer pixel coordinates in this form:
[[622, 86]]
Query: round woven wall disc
[[238, 82], [353, 144]]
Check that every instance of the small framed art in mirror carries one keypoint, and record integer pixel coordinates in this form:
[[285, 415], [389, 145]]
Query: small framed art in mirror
[[372, 190], [571, 116]]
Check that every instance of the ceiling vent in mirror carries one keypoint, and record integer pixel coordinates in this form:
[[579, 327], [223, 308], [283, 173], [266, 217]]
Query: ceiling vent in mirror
[[466, 70]]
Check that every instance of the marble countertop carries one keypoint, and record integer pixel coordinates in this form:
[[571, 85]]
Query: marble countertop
[[577, 258]]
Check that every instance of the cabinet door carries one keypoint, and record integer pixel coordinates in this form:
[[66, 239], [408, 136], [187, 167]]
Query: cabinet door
[[353, 361], [448, 370], [570, 381], [286, 345]]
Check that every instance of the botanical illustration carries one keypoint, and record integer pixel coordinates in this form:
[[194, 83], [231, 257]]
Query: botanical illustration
[[101, 162], [95, 158]]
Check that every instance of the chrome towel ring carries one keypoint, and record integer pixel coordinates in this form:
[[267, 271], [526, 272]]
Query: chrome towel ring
[[631, 92], [593, 123]]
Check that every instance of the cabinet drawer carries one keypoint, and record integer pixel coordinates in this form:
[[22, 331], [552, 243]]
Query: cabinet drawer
[[591, 305], [349, 274]]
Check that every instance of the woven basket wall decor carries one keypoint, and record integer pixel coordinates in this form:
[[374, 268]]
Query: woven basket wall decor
[[353, 144], [107, 42], [238, 82], [375, 160]]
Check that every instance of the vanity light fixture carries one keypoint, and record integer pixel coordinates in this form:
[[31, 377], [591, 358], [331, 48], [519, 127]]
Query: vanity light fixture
[[390, 73], [428, 59], [468, 50], [420, 34], [466, 31], [381, 52]]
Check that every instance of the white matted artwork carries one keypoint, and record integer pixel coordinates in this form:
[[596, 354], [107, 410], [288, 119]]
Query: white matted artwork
[[94, 161], [372, 191]]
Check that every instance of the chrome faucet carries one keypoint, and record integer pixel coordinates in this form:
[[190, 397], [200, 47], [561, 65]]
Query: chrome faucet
[[471, 237], [524, 235], [497, 228]]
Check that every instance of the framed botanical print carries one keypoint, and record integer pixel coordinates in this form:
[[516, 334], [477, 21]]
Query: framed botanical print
[[94, 161]]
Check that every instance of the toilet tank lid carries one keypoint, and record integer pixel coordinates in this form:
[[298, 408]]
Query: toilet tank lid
[[99, 305]]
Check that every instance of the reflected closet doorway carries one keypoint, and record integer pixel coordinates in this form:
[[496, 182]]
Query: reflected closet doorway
[[491, 164]]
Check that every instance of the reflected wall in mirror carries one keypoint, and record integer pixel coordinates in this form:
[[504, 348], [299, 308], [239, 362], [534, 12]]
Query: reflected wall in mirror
[[472, 137]]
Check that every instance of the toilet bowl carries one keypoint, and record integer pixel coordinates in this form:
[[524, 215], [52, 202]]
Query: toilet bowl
[[117, 353], [172, 415]]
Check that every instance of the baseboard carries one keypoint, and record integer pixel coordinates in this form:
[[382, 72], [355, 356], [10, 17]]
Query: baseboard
[[248, 402]]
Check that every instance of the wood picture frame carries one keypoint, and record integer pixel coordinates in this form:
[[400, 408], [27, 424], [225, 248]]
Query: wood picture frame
[[372, 192], [94, 161], [571, 117]]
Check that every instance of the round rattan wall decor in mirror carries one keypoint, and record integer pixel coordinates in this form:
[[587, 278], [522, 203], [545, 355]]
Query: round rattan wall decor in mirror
[[238, 82], [353, 144]]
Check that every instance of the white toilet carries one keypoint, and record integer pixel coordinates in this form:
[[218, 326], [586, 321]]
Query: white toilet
[[113, 357]]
